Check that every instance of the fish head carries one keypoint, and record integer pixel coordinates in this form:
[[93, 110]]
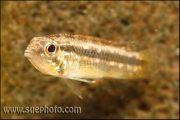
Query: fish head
[[45, 55]]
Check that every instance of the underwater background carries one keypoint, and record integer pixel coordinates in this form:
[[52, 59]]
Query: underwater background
[[153, 23]]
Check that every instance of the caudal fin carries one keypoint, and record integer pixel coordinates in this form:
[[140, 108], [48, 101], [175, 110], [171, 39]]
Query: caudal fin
[[149, 65]]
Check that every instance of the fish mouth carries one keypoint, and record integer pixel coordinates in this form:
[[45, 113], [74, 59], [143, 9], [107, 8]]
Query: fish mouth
[[28, 53]]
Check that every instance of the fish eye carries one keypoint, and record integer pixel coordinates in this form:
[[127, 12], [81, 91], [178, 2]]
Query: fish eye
[[50, 49]]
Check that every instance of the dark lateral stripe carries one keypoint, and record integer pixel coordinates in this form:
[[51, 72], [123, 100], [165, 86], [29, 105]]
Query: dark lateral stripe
[[103, 55]]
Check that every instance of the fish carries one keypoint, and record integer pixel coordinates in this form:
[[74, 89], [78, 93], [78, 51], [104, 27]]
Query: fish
[[87, 59]]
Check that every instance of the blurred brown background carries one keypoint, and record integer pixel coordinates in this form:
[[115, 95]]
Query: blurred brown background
[[151, 22]]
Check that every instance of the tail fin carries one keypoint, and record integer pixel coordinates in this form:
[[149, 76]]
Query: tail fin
[[150, 64], [146, 68]]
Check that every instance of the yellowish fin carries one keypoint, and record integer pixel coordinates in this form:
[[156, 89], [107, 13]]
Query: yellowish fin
[[149, 67]]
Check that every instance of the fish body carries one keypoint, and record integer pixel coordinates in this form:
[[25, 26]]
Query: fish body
[[85, 58]]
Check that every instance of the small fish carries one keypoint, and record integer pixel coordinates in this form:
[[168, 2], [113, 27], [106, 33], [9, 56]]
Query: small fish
[[86, 58]]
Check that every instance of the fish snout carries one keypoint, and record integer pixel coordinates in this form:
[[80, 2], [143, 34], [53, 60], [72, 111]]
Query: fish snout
[[27, 53]]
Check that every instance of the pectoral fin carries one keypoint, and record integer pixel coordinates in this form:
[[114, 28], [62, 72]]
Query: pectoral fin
[[84, 80]]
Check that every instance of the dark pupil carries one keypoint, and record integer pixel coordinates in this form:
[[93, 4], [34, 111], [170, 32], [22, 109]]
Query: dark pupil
[[51, 48]]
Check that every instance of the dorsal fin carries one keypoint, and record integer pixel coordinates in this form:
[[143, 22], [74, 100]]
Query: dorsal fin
[[100, 40]]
